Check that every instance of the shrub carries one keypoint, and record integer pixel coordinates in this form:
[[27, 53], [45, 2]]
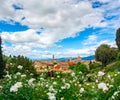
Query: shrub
[[16, 61], [115, 66], [118, 56], [83, 68], [94, 65], [79, 67]]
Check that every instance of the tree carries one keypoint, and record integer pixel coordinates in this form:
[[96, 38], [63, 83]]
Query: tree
[[118, 56], [118, 38], [104, 54], [2, 64], [114, 52], [27, 64]]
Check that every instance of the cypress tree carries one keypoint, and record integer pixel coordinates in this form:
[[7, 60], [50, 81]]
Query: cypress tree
[[2, 64], [118, 38]]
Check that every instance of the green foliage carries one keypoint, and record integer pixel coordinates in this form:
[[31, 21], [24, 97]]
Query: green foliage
[[118, 38], [71, 86], [118, 56], [79, 68], [54, 63], [71, 67], [82, 68], [114, 67], [114, 92], [114, 53], [105, 54], [94, 65], [15, 61], [2, 63]]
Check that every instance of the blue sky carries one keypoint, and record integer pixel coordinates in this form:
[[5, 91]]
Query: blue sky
[[66, 28]]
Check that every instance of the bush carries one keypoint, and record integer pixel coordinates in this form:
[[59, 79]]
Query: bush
[[15, 61], [115, 66], [71, 67], [82, 68], [118, 56], [94, 65], [79, 68]]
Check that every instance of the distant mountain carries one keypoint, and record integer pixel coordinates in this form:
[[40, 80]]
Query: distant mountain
[[92, 57]]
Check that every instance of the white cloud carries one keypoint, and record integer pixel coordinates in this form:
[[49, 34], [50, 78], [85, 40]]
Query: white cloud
[[21, 37], [27, 51], [60, 19], [34, 53], [109, 42], [92, 39]]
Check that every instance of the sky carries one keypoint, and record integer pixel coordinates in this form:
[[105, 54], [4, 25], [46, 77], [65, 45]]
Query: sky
[[66, 28]]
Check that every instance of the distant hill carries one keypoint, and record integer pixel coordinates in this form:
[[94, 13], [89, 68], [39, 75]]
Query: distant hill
[[92, 57]]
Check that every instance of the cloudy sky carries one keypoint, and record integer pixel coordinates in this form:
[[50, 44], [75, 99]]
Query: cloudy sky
[[66, 28]]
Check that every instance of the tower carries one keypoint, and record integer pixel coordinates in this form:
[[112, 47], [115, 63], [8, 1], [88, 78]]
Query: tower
[[53, 57], [78, 58]]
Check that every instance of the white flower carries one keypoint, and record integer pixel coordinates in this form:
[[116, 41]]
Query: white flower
[[96, 81], [51, 88], [80, 72], [51, 96], [1, 87], [30, 82], [113, 97], [109, 77], [31, 74], [79, 85], [83, 77], [7, 72], [63, 80], [100, 73], [72, 74], [62, 98], [63, 87], [93, 87], [87, 84], [47, 85], [18, 73], [112, 80], [23, 75], [54, 83], [115, 75], [110, 86], [81, 90], [19, 67], [15, 87], [102, 86], [116, 93], [42, 79], [58, 76], [8, 76], [67, 85]]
